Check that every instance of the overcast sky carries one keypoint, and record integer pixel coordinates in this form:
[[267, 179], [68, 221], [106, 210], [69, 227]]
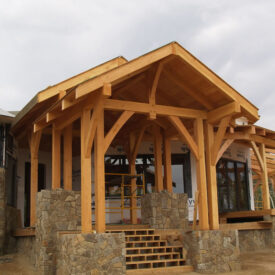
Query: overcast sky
[[45, 42]]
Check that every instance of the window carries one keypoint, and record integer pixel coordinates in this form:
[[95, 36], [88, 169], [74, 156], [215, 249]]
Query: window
[[233, 191]]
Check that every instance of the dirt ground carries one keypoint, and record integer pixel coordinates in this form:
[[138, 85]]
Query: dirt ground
[[259, 263]]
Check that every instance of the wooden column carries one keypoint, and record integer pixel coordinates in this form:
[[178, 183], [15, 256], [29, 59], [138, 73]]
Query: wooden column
[[34, 148], [201, 176], [68, 158], [132, 167], [167, 164], [158, 159], [86, 182], [265, 185], [211, 179], [56, 138], [100, 171]]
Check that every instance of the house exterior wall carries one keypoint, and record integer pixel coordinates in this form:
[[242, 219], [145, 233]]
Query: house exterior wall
[[235, 152]]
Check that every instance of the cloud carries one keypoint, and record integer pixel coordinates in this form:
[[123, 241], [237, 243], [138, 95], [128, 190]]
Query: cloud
[[44, 42]]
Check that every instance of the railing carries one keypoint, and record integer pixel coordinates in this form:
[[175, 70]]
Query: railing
[[119, 193]]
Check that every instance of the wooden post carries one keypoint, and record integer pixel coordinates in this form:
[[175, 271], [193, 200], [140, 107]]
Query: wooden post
[[56, 137], [167, 164], [158, 159], [34, 148], [100, 171], [201, 176], [265, 185], [68, 158], [86, 183], [211, 179], [132, 167]]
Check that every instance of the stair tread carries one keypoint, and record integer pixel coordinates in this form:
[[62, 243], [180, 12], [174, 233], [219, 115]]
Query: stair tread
[[152, 254], [147, 247], [135, 236], [147, 241], [155, 261], [182, 268]]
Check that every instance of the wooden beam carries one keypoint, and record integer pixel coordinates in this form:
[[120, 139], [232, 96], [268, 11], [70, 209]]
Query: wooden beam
[[158, 158], [86, 181], [223, 148], [107, 90], [230, 109], [167, 164], [257, 154], [123, 72], [184, 134], [34, 148], [68, 143], [124, 117], [201, 176], [145, 108], [153, 89], [77, 79], [133, 144], [219, 138], [100, 172], [56, 140], [265, 185], [211, 178], [228, 91], [137, 143]]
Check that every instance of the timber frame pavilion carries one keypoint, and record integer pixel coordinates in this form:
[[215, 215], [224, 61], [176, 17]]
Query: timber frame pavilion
[[164, 95]]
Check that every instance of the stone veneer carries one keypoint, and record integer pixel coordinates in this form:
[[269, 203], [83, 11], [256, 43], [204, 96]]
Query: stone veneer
[[165, 210], [213, 251], [56, 210], [26, 246], [251, 240], [91, 254], [2, 210]]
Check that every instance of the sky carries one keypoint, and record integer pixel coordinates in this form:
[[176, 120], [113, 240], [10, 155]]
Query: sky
[[45, 42]]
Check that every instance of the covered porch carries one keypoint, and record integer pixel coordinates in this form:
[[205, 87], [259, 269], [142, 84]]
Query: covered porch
[[164, 96]]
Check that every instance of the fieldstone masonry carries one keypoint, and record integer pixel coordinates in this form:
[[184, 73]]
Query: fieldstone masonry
[[165, 210], [56, 210], [2, 210], [91, 254], [251, 240], [213, 251]]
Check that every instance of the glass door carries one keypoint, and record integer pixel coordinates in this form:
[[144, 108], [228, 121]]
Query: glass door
[[232, 186]]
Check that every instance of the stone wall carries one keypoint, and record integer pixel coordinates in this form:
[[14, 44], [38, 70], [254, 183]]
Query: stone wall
[[251, 240], [2, 210], [213, 251], [11, 225], [165, 210], [26, 246], [91, 254], [56, 210]]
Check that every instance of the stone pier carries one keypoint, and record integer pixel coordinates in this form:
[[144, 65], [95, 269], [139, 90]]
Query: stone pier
[[165, 210]]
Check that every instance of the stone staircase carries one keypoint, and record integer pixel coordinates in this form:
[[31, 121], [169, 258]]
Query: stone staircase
[[146, 251]]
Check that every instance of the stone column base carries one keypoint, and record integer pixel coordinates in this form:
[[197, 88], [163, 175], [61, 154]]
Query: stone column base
[[165, 210], [213, 251], [91, 254]]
